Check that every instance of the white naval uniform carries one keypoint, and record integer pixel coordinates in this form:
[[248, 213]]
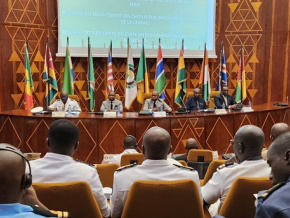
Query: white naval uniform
[[59, 105], [218, 186], [53, 168], [149, 170], [117, 158]]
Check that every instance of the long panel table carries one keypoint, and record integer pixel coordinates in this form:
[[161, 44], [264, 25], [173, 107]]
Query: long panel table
[[99, 136]]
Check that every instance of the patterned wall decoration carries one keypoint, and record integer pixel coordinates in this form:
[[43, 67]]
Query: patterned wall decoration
[[253, 23]]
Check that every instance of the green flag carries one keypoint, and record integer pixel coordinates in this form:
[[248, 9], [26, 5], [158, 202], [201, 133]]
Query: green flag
[[68, 75], [180, 89], [91, 79]]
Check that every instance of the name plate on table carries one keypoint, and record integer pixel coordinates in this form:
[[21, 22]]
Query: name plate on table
[[220, 111], [58, 114], [110, 114], [247, 109], [159, 114]]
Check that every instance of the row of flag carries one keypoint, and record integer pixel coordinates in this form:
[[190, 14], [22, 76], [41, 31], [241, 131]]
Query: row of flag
[[135, 88]]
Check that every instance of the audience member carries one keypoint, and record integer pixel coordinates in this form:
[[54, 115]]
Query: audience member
[[224, 98], [276, 130], [195, 102], [156, 146], [17, 197], [111, 103], [59, 166], [155, 103], [130, 146], [191, 143], [274, 203], [248, 143], [64, 103]]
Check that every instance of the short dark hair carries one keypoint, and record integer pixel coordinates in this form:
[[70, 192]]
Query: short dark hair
[[63, 134]]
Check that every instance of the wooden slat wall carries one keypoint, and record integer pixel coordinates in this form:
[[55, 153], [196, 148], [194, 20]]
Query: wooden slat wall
[[263, 26]]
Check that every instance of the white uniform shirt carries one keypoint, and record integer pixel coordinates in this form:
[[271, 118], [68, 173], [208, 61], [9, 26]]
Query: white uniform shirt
[[53, 168], [117, 158], [218, 186], [149, 170], [59, 105]]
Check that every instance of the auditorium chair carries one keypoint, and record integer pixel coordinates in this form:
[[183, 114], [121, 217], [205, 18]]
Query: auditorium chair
[[211, 170], [199, 159], [117, 96], [157, 199], [183, 163], [106, 173], [74, 197], [74, 97], [240, 201], [127, 159]]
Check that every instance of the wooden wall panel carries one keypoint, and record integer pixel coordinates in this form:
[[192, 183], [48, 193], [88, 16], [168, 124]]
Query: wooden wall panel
[[262, 26]]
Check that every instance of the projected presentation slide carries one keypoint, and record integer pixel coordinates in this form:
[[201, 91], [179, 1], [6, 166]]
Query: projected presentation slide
[[171, 21]]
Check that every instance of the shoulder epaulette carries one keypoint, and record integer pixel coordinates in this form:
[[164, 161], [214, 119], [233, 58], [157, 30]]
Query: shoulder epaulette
[[184, 167], [91, 165], [267, 193], [225, 165], [126, 167], [49, 213]]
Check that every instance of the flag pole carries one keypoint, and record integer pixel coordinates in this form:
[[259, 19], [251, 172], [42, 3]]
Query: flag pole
[[88, 76], [47, 66], [182, 47]]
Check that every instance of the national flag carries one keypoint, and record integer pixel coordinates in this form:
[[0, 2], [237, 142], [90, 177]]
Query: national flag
[[241, 92], [131, 85], [49, 77], [205, 77], [91, 78], [110, 78], [28, 98], [223, 80], [142, 77], [68, 75], [180, 89], [160, 79]]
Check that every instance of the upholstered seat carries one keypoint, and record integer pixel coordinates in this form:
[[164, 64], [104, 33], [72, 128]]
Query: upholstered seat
[[74, 197], [158, 199]]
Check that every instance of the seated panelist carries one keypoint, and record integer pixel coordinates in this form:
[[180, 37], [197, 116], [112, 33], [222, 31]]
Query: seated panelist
[[111, 103], [155, 103], [225, 98], [63, 103], [195, 102]]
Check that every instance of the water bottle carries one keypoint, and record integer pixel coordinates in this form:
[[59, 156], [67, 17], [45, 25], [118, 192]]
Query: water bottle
[[69, 110], [118, 111], [223, 106], [250, 104], [161, 107]]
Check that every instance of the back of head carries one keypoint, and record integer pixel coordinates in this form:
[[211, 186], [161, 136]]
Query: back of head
[[63, 137], [191, 143], [248, 142], [277, 129], [12, 176], [156, 144], [278, 157], [130, 142]]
